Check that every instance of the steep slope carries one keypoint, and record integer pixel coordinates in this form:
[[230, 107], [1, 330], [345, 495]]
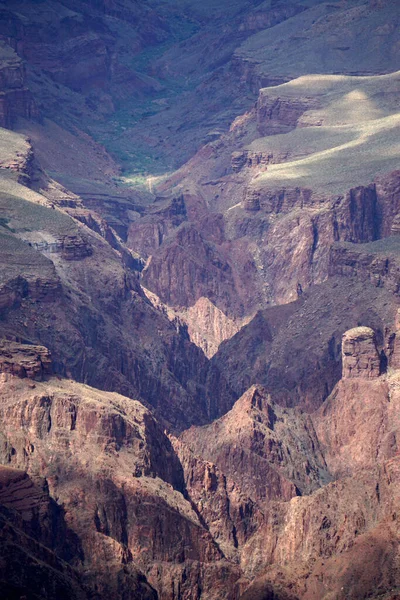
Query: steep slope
[[114, 474], [65, 286], [269, 208], [315, 544]]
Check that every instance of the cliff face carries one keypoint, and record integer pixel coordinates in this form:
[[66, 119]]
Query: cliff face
[[113, 471], [53, 293], [36, 544], [343, 460], [16, 100], [256, 445], [298, 362], [294, 503], [265, 268], [269, 198]]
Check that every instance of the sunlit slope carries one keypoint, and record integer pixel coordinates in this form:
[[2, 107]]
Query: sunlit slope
[[350, 134], [15, 157]]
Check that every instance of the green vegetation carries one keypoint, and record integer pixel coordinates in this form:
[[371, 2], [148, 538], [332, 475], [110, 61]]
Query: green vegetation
[[22, 215], [352, 137]]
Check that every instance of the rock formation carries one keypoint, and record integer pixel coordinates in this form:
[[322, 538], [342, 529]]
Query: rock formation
[[202, 234], [22, 360], [120, 484], [360, 357]]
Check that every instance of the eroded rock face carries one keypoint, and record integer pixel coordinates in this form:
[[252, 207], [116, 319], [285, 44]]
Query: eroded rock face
[[33, 362], [316, 545], [257, 444], [121, 485], [231, 516], [208, 326], [394, 344], [94, 303], [296, 361], [278, 115], [16, 100], [36, 544], [360, 357]]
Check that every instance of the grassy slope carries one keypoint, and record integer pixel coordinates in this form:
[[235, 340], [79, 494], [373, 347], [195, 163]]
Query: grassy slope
[[350, 139]]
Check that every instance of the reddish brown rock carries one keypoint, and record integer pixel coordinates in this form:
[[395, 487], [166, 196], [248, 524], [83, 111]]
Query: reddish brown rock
[[278, 115], [75, 248], [33, 362], [360, 357], [120, 483], [230, 515], [257, 444], [89, 308], [394, 344], [36, 545], [298, 362]]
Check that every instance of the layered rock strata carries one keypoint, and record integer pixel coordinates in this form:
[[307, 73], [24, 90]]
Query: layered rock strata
[[110, 466], [22, 360], [360, 357]]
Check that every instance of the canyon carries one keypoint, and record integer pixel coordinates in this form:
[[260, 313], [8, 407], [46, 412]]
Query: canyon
[[199, 300]]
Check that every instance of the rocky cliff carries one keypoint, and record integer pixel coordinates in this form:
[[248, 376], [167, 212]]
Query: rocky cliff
[[294, 502], [36, 544], [119, 484], [53, 293], [199, 300], [313, 543]]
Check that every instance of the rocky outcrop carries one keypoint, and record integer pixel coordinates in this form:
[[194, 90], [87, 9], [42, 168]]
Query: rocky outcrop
[[33, 362], [393, 349], [277, 240], [388, 195], [146, 235], [262, 448], [238, 160], [351, 519], [279, 114], [16, 100], [75, 248], [251, 200], [296, 361], [208, 326], [360, 357], [113, 469], [254, 160], [188, 267], [37, 282], [14, 104], [229, 514], [377, 262], [358, 424], [277, 202], [332, 540]]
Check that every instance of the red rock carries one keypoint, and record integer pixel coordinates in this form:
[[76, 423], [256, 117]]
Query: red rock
[[21, 360], [119, 481], [360, 357]]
